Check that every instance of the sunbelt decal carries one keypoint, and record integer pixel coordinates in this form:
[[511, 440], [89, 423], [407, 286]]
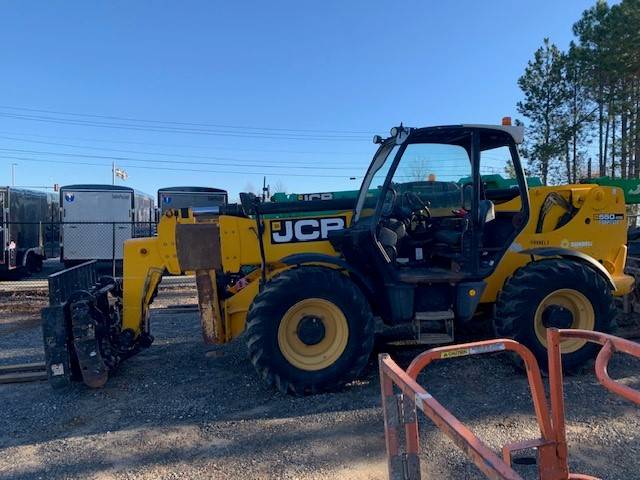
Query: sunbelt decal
[[305, 229], [575, 243]]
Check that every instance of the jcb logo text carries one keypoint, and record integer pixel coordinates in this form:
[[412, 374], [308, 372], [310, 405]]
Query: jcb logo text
[[305, 229]]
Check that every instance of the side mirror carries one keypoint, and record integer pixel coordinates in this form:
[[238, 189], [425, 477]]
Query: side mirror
[[467, 196], [389, 202]]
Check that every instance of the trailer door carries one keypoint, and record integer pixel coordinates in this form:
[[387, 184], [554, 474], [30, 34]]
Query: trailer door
[[109, 217]]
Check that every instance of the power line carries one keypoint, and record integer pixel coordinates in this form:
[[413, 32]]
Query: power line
[[281, 174], [173, 145], [433, 165], [173, 155], [39, 160], [241, 127], [130, 159], [287, 174], [179, 155], [191, 131]]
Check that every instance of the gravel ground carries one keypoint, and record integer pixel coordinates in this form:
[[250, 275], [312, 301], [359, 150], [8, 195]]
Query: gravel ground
[[183, 409]]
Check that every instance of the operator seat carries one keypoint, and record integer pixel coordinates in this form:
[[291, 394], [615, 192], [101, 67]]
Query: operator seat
[[389, 235], [487, 211], [453, 238]]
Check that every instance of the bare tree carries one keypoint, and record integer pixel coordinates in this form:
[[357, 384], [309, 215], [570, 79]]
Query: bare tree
[[280, 187], [250, 188], [418, 170]]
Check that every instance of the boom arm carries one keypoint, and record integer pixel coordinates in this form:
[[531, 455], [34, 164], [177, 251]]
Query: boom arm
[[182, 245]]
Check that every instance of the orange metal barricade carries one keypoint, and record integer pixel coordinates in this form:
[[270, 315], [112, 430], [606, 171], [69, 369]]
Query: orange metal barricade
[[400, 409]]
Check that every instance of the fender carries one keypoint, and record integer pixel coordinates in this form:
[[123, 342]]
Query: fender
[[302, 258], [574, 255], [34, 250]]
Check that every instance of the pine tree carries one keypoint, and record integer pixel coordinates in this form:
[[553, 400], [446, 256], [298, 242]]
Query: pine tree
[[544, 95], [590, 92], [577, 112]]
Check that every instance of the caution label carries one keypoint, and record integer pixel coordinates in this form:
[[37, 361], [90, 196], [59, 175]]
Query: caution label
[[461, 352], [455, 353]]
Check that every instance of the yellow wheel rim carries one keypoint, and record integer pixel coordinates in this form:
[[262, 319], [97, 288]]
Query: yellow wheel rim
[[313, 334], [577, 305]]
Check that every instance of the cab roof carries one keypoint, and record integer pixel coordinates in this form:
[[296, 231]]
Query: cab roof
[[492, 135], [516, 131]]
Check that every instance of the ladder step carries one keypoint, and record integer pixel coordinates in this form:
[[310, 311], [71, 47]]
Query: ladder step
[[426, 339], [438, 315], [434, 327], [434, 338]]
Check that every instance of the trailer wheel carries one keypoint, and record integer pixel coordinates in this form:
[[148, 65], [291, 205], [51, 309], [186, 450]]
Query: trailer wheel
[[33, 262], [558, 293], [310, 330]]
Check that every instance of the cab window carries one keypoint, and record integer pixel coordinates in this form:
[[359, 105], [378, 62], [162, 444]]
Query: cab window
[[434, 174]]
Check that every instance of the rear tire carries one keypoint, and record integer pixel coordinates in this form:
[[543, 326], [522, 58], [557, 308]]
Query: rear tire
[[554, 292], [309, 330]]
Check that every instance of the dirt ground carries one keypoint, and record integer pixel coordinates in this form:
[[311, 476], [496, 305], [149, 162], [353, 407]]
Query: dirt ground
[[183, 409]]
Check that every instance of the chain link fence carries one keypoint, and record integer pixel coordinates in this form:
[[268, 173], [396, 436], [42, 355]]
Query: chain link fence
[[34, 250]]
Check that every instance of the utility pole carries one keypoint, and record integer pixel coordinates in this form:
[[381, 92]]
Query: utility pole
[[113, 172], [13, 174]]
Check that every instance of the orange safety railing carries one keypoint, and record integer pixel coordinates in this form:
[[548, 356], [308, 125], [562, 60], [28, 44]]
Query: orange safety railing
[[401, 424]]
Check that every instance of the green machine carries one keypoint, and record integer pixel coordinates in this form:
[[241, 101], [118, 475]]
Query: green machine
[[630, 187], [498, 182], [492, 182]]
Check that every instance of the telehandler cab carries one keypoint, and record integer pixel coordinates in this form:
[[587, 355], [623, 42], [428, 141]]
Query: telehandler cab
[[304, 281]]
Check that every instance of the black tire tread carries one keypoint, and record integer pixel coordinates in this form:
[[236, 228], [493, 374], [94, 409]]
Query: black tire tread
[[515, 296], [272, 294]]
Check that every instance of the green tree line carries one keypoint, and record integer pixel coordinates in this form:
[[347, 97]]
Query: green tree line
[[582, 105]]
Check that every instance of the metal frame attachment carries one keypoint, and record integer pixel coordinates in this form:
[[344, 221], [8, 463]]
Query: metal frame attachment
[[401, 425]]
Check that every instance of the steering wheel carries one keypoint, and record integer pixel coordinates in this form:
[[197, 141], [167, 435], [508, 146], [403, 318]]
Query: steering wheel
[[417, 204]]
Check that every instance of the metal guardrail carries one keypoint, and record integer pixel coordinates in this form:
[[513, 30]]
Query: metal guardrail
[[400, 409]]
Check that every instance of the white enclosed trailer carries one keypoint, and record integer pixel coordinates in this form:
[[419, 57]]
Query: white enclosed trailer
[[190, 197], [97, 219]]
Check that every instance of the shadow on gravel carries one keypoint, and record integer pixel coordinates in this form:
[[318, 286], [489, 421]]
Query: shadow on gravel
[[280, 446], [183, 402], [26, 323]]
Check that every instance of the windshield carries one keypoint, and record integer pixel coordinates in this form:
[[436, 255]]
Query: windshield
[[433, 171], [435, 166], [374, 179]]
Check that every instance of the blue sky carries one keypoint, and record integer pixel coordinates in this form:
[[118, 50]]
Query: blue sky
[[291, 90]]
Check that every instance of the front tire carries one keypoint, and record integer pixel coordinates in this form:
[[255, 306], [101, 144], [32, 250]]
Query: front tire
[[309, 330], [554, 293]]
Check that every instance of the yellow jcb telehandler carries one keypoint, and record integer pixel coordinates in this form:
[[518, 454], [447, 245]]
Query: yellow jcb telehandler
[[420, 248]]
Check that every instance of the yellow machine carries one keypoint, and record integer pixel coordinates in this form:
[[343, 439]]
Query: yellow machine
[[423, 253]]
